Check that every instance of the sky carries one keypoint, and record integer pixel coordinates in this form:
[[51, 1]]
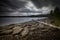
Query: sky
[[27, 7]]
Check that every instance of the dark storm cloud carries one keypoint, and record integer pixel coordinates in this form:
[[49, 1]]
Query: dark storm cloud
[[11, 5], [56, 3], [14, 4], [7, 6], [40, 3]]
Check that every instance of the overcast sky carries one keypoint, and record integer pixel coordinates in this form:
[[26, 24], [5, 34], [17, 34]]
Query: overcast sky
[[42, 6]]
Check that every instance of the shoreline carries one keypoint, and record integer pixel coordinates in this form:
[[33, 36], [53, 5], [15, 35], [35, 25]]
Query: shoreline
[[24, 22]]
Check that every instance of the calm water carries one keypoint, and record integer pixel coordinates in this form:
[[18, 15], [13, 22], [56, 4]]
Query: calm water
[[6, 21]]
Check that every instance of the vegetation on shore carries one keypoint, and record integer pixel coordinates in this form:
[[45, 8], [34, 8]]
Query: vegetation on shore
[[55, 16]]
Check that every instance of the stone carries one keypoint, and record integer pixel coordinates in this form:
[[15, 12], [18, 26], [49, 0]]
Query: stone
[[25, 32], [17, 30]]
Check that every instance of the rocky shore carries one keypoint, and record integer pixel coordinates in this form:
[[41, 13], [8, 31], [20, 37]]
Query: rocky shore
[[32, 30]]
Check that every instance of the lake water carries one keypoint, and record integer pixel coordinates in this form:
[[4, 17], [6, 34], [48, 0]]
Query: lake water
[[7, 21]]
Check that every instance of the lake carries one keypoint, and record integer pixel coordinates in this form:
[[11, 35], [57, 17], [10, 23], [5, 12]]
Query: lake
[[13, 20]]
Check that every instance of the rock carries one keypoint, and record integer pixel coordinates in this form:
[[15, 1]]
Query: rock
[[32, 28], [25, 32], [17, 30], [6, 32], [45, 30]]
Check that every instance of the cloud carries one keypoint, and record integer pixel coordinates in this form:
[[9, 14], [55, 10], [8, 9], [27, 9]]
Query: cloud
[[7, 6], [31, 9], [56, 3], [40, 3], [11, 4], [43, 6]]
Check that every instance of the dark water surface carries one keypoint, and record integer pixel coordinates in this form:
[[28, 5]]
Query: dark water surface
[[13, 20]]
